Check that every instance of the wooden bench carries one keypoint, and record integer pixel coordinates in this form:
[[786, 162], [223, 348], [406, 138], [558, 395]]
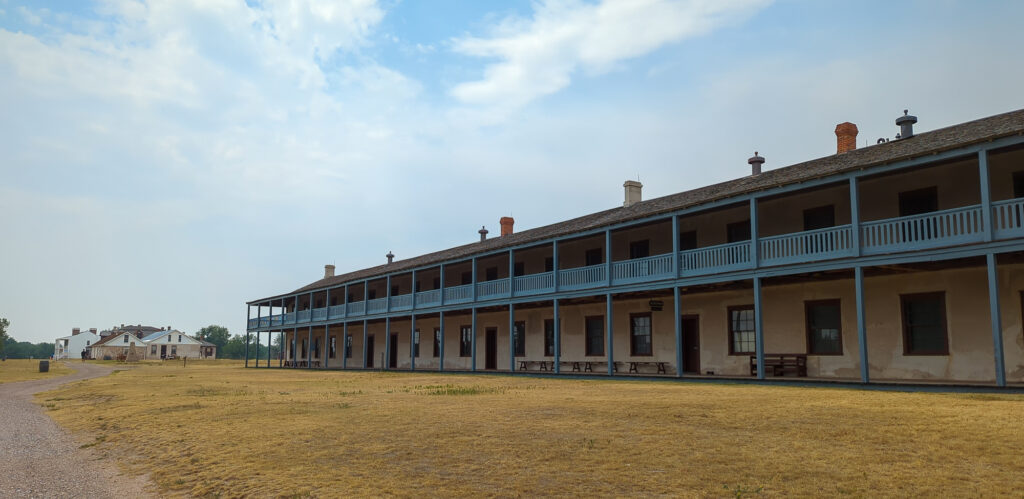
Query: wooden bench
[[780, 364], [634, 366], [542, 365]]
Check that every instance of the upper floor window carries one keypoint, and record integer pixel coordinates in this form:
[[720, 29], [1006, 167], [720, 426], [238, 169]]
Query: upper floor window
[[416, 287], [594, 256], [688, 240], [394, 290], [334, 300], [467, 277], [924, 324], [824, 331], [519, 268], [168, 338], [437, 283], [741, 330], [640, 249], [319, 303], [179, 338], [919, 201], [491, 273], [126, 338], [738, 231], [820, 218], [549, 264], [349, 298], [1018, 184], [466, 341], [372, 294]]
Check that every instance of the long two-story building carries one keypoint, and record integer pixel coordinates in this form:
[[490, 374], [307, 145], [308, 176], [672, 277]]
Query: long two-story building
[[897, 262]]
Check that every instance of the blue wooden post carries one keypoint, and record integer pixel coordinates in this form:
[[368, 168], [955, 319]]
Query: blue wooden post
[[855, 215], [256, 356], [558, 339], [986, 195], [755, 258], [440, 361], [269, 341], [862, 333], [247, 349], [511, 273], [327, 306], [675, 248], [608, 257], [758, 329], [344, 309], [442, 287], [387, 302], [386, 364], [472, 337], [327, 346], [309, 348], [344, 343], [679, 329], [473, 280], [414, 288], [412, 336], [512, 337], [997, 326], [295, 347], [366, 337], [554, 263], [280, 358], [610, 339]]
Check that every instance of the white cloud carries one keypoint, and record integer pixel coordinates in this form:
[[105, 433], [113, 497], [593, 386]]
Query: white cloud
[[539, 56]]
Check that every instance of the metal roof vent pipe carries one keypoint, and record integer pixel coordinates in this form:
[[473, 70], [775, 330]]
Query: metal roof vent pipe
[[633, 192], [390, 255], [906, 124], [483, 233], [755, 164]]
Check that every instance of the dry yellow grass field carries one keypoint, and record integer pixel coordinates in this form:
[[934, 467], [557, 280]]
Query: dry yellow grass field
[[24, 369], [217, 429]]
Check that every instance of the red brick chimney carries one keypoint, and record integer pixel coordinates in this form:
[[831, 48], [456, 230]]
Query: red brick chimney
[[506, 225], [75, 331], [846, 137]]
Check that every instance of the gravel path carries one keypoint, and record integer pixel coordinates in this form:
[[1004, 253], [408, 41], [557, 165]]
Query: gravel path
[[39, 459]]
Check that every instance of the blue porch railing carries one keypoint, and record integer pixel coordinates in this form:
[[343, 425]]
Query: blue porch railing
[[820, 244], [265, 322], [582, 277], [320, 314], [289, 318], [929, 230], [650, 268], [253, 323], [1008, 218], [356, 308], [534, 283], [493, 289], [401, 302], [458, 294], [336, 311], [714, 259], [302, 316], [376, 306], [428, 298]]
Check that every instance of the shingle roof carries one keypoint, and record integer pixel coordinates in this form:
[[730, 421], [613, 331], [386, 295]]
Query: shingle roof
[[982, 130]]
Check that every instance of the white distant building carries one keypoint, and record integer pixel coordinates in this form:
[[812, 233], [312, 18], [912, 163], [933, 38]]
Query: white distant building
[[71, 347]]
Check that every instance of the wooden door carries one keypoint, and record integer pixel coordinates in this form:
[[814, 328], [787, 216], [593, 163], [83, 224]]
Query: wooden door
[[691, 344], [491, 348], [369, 351], [393, 352]]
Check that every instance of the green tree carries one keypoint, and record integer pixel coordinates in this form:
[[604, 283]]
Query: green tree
[[3, 335], [218, 335]]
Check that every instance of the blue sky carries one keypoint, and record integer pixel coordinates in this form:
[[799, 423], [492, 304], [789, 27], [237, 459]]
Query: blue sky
[[163, 162]]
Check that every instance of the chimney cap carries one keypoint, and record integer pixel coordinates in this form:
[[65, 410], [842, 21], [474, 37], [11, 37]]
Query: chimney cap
[[756, 159], [906, 118], [390, 255], [483, 232]]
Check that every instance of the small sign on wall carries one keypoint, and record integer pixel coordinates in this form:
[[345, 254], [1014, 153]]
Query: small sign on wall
[[656, 305]]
